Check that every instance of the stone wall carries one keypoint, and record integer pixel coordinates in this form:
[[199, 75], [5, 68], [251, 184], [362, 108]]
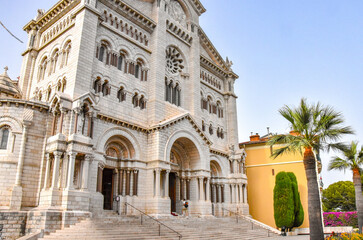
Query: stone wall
[[12, 224]]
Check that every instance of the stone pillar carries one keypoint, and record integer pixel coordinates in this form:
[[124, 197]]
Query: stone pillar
[[201, 188], [187, 189], [235, 193], [47, 172], [57, 156], [182, 196], [219, 191], [245, 193], [240, 193], [157, 182], [19, 169], [70, 176], [207, 189], [85, 171], [213, 193], [121, 181], [166, 186], [222, 193], [127, 183]]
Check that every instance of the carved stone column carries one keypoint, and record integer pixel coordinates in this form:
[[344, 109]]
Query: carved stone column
[[157, 182], [57, 156], [166, 186], [85, 171], [19, 169], [201, 188], [245, 193], [207, 190], [241, 194], [70, 176], [47, 172]]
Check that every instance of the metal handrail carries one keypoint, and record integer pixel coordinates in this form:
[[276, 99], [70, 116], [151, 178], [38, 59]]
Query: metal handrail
[[253, 221], [160, 223]]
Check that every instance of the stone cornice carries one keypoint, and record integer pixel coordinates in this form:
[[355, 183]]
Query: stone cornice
[[219, 61], [218, 152], [156, 127], [25, 103], [131, 14], [56, 12], [198, 6]]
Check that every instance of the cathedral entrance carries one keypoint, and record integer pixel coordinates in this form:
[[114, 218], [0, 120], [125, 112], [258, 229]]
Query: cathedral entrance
[[107, 188], [172, 191]]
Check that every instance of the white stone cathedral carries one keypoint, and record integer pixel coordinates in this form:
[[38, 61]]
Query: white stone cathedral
[[120, 100]]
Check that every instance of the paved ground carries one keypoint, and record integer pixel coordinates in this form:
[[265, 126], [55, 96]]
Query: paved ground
[[300, 237]]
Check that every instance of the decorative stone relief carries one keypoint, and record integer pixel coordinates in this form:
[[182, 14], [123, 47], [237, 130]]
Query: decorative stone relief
[[176, 11], [174, 61]]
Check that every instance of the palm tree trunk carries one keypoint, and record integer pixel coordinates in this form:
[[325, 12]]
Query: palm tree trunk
[[358, 197], [314, 203]]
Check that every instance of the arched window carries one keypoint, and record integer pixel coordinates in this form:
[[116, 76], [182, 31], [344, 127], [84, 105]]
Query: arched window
[[106, 89], [119, 62], [121, 94], [203, 126], [219, 110], [53, 66], [42, 68], [64, 84], [49, 92], [218, 135], [59, 86], [135, 100], [137, 70], [209, 104], [66, 53], [4, 137], [211, 129], [142, 102], [221, 134], [40, 96], [97, 85], [101, 53]]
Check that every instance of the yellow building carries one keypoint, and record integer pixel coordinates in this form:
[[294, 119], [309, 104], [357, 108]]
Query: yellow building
[[261, 173]]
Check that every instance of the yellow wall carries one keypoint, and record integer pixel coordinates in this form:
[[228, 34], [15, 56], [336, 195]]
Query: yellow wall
[[261, 181]]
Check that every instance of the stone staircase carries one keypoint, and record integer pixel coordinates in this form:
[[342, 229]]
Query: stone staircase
[[113, 227]]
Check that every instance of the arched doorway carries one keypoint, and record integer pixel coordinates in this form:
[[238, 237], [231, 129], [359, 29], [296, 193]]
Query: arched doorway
[[184, 157], [118, 179], [216, 188]]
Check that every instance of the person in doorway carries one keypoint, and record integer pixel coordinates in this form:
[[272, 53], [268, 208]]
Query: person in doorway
[[185, 208]]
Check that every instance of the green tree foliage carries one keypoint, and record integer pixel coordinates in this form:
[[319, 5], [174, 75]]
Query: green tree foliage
[[339, 196], [316, 128], [298, 209], [284, 205]]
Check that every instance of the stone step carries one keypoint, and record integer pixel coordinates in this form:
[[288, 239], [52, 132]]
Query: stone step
[[111, 226]]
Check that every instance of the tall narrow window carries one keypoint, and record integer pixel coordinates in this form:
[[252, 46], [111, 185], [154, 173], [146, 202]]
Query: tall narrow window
[[101, 53], [4, 138], [106, 89], [97, 85], [121, 94], [166, 90], [119, 63], [142, 102], [210, 129], [135, 100], [137, 70]]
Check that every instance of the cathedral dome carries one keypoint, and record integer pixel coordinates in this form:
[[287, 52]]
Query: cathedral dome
[[8, 87]]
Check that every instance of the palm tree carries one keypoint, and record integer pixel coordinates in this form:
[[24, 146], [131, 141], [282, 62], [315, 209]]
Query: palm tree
[[353, 160], [315, 128]]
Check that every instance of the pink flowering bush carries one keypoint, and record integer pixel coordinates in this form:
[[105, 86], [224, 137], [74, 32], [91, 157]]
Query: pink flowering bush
[[335, 219]]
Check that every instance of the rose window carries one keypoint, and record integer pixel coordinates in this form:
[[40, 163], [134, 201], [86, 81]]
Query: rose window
[[174, 62]]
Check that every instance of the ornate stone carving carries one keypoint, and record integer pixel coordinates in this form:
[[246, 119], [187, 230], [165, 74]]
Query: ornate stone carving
[[174, 61], [176, 11]]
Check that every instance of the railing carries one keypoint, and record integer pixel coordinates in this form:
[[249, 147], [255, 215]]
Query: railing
[[254, 222], [157, 221]]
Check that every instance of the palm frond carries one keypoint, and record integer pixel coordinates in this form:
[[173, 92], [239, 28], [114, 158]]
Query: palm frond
[[337, 163]]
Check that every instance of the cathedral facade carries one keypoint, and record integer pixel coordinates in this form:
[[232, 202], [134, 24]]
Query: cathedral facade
[[121, 101]]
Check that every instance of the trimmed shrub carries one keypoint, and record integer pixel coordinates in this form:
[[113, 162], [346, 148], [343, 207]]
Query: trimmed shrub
[[298, 210], [284, 205]]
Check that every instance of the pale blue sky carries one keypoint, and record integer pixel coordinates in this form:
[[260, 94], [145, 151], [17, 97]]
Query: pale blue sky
[[281, 49]]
